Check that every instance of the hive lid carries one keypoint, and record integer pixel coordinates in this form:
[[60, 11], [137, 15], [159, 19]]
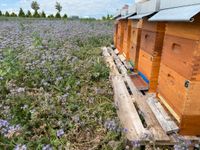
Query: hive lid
[[137, 17], [177, 14], [148, 7], [126, 17], [164, 4]]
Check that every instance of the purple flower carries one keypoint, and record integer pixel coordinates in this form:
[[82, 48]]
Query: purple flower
[[47, 147], [20, 147], [135, 143], [60, 133], [3, 123]]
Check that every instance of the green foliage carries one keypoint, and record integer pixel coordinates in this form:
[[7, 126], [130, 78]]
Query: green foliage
[[36, 14], [7, 14], [1, 13], [21, 13], [57, 15], [13, 14], [35, 6], [28, 14], [51, 16], [37, 40], [65, 16], [43, 15], [108, 17], [58, 7]]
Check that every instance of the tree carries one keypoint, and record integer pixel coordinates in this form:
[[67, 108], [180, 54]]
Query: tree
[[29, 14], [58, 7], [51, 16], [13, 14], [58, 15], [1, 13], [65, 16], [35, 6], [43, 15], [21, 13], [7, 14]]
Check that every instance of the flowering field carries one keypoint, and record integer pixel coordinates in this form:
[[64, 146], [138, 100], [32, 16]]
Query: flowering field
[[54, 86]]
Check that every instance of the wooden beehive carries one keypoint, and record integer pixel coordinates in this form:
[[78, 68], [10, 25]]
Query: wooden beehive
[[115, 34], [120, 35], [152, 35], [179, 77], [134, 40]]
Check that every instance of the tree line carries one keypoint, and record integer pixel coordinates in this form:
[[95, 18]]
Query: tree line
[[35, 6]]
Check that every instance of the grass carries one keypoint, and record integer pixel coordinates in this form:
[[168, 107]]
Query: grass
[[43, 92]]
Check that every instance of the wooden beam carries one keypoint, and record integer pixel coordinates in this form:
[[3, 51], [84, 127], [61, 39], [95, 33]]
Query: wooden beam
[[126, 109]]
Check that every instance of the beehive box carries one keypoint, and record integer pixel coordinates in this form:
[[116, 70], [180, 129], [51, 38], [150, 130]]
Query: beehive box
[[134, 40], [179, 77], [152, 35], [120, 35]]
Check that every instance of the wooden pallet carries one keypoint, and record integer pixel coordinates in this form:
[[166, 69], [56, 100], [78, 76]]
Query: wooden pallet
[[143, 117]]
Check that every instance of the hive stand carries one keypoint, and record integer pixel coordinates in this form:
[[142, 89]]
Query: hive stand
[[145, 119]]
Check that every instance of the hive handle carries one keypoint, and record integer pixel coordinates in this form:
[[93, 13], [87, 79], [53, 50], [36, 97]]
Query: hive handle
[[171, 79], [176, 47]]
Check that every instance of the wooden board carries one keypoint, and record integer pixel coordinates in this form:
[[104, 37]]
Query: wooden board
[[139, 83], [163, 118], [126, 110]]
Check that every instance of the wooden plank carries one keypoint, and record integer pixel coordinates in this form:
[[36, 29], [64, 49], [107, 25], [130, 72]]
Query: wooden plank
[[110, 62], [162, 113], [171, 122], [140, 84], [128, 113], [164, 124]]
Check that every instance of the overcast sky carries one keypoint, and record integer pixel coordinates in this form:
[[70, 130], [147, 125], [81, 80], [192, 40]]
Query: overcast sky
[[83, 8]]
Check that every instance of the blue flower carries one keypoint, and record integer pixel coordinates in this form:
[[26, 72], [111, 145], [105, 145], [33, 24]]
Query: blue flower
[[60, 133]]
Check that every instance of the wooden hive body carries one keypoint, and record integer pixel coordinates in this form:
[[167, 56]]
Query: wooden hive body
[[152, 35], [134, 40], [120, 35], [179, 77]]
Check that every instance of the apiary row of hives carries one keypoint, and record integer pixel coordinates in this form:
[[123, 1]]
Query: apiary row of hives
[[161, 40]]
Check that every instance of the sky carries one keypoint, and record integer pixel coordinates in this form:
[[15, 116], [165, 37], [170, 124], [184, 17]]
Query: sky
[[82, 8]]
